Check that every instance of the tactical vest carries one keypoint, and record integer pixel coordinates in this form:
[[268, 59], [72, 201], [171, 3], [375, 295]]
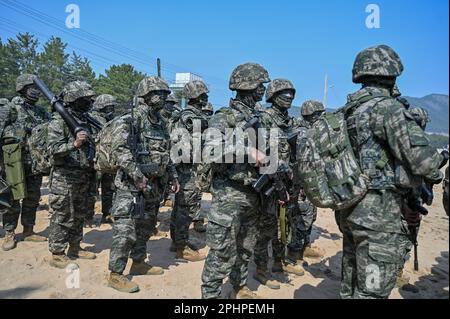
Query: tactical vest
[[78, 158], [374, 157], [236, 117]]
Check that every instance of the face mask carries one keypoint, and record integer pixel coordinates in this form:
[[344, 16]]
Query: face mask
[[258, 95], [311, 119], [156, 101], [169, 107], [284, 100], [32, 94], [83, 105]]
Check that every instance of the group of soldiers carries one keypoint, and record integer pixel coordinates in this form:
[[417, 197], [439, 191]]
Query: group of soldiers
[[242, 222]]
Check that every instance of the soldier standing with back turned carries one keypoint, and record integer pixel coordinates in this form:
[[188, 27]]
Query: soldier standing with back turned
[[374, 230]]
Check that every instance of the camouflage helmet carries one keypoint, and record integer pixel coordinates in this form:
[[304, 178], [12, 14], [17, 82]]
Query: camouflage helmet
[[208, 108], [194, 89], [104, 100], [278, 85], [24, 80], [377, 61], [310, 107], [3, 102], [172, 98], [420, 115], [248, 76], [151, 84], [76, 90]]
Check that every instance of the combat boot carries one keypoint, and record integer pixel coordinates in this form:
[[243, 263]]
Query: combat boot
[[30, 235], [9, 242], [189, 254], [107, 219], [60, 261], [290, 268], [144, 269], [313, 252], [199, 226], [244, 293], [89, 223], [76, 252], [122, 283], [402, 279], [262, 277]]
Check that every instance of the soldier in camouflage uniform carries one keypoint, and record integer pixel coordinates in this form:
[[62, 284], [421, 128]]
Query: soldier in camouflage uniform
[[140, 181], [379, 130], [301, 237], [187, 201], [169, 113], [24, 115], [104, 112], [236, 206], [280, 93], [446, 190], [208, 111], [72, 177]]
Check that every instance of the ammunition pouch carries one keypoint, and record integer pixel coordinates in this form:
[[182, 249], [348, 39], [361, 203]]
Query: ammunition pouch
[[404, 179]]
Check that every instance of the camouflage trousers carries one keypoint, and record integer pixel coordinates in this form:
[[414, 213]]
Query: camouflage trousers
[[301, 225], [371, 258], [26, 211], [69, 190], [231, 235], [131, 232], [186, 208], [268, 232]]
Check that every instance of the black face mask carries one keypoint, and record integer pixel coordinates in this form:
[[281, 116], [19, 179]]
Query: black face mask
[[200, 102], [283, 100], [311, 119], [83, 105], [250, 98], [258, 94], [32, 95], [169, 107]]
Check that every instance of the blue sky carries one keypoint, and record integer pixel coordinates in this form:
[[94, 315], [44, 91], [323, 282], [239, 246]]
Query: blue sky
[[298, 40]]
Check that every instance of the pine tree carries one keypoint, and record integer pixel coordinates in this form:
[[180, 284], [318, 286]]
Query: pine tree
[[79, 69], [120, 81]]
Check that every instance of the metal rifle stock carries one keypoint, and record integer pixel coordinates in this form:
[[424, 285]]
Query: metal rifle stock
[[74, 126]]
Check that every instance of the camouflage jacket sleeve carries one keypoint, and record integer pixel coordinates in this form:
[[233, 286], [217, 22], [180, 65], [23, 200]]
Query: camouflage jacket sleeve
[[59, 142], [392, 123], [124, 156]]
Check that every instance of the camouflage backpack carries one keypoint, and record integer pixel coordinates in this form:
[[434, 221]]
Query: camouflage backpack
[[105, 161], [37, 144], [327, 165]]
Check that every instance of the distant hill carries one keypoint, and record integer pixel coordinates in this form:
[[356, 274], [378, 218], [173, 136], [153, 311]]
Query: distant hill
[[437, 106]]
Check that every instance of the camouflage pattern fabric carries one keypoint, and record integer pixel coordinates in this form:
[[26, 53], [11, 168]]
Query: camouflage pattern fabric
[[310, 107], [71, 182], [27, 211], [151, 84], [273, 118], [131, 231], [302, 225], [446, 191], [278, 85], [234, 214], [69, 205], [76, 90], [23, 118], [194, 89], [230, 234], [380, 61], [24, 80], [187, 201], [374, 231], [248, 77]]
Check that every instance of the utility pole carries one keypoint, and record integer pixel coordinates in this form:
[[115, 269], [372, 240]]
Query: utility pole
[[158, 65], [325, 94]]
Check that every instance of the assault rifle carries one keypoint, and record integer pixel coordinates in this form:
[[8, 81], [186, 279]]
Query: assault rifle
[[74, 126]]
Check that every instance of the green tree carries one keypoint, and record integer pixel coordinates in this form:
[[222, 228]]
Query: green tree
[[17, 56], [79, 68], [53, 65], [120, 81]]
